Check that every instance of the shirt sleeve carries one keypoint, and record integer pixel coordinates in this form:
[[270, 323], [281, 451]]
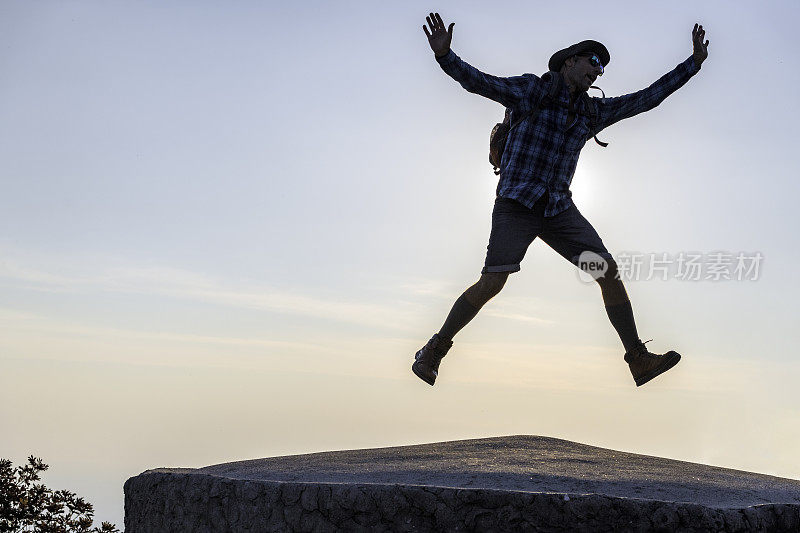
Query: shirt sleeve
[[506, 91], [612, 110]]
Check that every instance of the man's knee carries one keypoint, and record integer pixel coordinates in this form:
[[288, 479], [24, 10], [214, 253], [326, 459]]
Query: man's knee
[[492, 282], [486, 288], [611, 273]]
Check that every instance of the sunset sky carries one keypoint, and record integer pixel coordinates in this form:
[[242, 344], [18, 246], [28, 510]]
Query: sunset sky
[[226, 227]]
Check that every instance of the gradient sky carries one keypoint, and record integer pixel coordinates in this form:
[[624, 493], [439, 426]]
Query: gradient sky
[[226, 227]]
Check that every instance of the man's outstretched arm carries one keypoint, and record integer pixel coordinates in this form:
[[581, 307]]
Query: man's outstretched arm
[[507, 91], [613, 110]]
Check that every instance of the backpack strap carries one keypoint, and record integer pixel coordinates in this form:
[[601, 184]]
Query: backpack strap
[[546, 100], [591, 107], [555, 87]]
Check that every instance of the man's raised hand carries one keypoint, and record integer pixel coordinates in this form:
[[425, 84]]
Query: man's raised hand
[[700, 52], [439, 38]]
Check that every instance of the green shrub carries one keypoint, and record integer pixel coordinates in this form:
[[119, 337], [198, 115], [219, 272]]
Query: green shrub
[[29, 506]]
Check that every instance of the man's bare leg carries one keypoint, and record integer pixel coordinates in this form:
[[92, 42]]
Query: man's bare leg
[[618, 307], [471, 301], [426, 361], [643, 365]]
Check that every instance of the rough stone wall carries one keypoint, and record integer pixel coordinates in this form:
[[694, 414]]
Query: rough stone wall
[[156, 502]]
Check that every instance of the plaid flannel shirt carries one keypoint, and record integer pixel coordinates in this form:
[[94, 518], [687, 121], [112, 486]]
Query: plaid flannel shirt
[[541, 156]]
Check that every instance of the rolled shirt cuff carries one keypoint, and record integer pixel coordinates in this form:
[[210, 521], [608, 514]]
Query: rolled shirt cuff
[[501, 268]]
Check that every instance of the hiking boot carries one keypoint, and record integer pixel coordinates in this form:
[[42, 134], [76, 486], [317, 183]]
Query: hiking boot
[[426, 362], [645, 365]]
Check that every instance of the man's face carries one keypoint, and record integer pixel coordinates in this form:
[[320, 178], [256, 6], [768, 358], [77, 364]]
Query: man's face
[[581, 72]]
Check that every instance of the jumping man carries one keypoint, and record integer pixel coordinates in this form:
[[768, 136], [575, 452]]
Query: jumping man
[[552, 119]]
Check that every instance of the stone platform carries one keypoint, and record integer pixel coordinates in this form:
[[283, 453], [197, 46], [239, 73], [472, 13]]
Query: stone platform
[[519, 483]]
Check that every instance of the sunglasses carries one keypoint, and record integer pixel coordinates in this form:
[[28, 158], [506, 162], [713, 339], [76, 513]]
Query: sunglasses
[[595, 62]]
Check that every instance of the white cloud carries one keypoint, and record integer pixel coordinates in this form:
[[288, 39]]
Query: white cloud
[[105, 274]]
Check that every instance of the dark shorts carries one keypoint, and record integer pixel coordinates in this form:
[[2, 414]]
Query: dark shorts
[[514, 227]]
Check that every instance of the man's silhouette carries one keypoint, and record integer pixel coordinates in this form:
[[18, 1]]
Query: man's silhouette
[[538, 162]]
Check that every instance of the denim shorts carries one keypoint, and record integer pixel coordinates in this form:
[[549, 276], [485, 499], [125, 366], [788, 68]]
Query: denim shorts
[[515, 226]]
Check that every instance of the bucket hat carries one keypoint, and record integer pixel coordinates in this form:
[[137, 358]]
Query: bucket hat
[[589, 46]]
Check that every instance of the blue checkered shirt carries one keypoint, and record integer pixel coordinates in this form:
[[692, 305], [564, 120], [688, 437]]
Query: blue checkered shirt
[[541, 156]]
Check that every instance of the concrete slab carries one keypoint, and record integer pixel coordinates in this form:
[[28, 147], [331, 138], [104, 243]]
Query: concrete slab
[[468, 479]]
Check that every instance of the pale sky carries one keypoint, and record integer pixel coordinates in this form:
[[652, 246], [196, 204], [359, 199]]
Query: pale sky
[[225, 228]]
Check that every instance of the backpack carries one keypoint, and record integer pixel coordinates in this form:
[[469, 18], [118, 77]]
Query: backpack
[[501, 130]]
